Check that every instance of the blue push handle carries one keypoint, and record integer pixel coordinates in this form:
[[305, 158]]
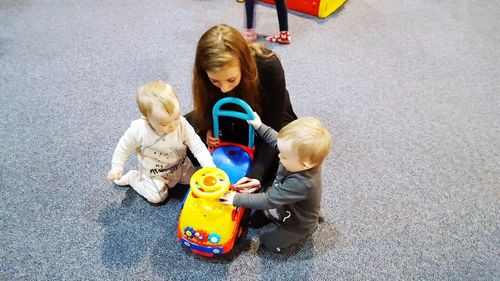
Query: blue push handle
[[216, 112]]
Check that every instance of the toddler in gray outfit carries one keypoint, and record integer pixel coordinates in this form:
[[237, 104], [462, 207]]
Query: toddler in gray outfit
[[293, 203]]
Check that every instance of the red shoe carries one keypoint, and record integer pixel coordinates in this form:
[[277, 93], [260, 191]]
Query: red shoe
[[249, 34], [282, 38]]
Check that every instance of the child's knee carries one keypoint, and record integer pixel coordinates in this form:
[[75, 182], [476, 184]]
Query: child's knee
[[271, 243], [279, 239], [270, 239], [157, 198]]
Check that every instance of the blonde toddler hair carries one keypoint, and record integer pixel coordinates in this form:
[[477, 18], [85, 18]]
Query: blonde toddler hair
[[309, 138], [154, 93]]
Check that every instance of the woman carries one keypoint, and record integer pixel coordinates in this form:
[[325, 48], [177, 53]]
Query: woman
[[226, 65]]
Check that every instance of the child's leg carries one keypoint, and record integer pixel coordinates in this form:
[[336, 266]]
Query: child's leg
[[249, 11], [249, 33], [153, 189], [257, 219], [284, 36], [276, 238], [185, 172], [282, 14], [125, 179]]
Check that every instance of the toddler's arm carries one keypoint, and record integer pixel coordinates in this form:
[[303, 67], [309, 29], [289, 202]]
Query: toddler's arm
[[267, 133], [227, 198], [291, 190], [122, 152], [256, 122], [193, 141], [115, 174]]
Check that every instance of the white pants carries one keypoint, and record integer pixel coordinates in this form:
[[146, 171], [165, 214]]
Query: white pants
[[155, 188]]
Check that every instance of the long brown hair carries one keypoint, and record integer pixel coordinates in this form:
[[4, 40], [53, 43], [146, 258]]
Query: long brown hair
[[218, 47]]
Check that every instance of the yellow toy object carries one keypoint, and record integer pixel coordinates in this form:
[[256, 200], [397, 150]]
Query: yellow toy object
[[319, 8], [207, 226]]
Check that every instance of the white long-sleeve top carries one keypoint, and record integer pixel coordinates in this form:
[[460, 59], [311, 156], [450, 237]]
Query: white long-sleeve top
[[157, 154]]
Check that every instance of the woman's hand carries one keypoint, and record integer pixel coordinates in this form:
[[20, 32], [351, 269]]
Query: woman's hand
[[115, 174], [247, 185], [227, 198], [256, 122], [211, 141]]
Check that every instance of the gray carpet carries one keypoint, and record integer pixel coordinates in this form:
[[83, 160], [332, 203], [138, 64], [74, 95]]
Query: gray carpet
[[409, 89]]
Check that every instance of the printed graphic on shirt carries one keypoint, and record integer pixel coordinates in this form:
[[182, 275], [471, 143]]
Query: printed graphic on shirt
[[166, 162], [276, 215]]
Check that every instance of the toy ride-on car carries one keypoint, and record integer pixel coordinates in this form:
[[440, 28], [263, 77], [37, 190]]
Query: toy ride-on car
[[207, 226], [234, 158]]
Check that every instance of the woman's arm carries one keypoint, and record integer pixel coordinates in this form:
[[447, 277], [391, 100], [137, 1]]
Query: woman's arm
[[273, 95]]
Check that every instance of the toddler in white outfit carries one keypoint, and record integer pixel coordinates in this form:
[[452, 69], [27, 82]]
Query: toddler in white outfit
[[160, 139]]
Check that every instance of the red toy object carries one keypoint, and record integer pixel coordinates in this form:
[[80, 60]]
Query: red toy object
[[319, 8]]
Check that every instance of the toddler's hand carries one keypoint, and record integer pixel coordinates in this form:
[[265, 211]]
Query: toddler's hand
[[256, 122], [227, 198], [211, 141], [115, 174], [247, 185]]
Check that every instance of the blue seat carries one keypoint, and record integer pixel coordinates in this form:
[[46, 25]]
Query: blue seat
[[234, 159]]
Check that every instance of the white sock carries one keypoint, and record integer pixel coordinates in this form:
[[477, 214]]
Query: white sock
[[125, 179]]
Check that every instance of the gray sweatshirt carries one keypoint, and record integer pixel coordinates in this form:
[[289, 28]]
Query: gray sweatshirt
[[295, 196]]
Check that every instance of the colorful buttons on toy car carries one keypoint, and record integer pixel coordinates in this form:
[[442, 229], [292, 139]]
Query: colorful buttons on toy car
[[214, 238]]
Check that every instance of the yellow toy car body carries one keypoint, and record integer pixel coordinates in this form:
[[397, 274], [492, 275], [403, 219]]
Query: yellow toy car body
[[207, 226]]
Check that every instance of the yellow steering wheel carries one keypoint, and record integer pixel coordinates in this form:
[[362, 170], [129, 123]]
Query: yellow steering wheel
[[209, 183]]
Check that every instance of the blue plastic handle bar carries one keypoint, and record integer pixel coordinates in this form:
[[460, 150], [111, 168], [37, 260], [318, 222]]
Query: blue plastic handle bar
[[216, 112]]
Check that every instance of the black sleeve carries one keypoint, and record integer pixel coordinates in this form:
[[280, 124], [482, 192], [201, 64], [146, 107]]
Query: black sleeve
[[273, 100], [273, 94]]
